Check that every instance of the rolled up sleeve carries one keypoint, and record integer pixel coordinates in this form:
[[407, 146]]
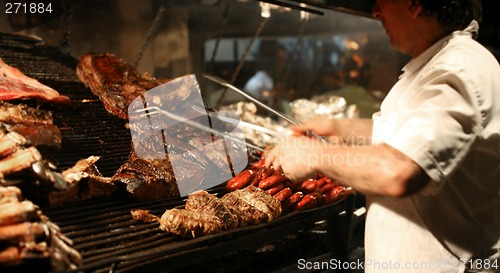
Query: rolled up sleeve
[[437, 126]]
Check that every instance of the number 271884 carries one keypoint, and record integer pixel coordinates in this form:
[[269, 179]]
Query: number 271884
[[28, 8]]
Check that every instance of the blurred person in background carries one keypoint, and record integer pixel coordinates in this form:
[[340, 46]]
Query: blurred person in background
[[429, 161]]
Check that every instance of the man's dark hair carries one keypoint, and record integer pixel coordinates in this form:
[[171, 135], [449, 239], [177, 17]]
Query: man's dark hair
[[453, 14]]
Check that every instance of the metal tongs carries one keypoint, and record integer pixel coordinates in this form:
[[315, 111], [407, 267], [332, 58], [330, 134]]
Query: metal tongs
[[154, 110], [256, 101]]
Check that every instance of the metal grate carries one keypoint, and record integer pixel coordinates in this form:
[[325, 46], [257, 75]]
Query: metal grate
[[109, 239]]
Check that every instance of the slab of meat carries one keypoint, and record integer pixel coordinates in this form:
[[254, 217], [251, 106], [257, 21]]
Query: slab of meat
[[14, 85], [35, 125], [206, 203], [115, 82], [149, 174], [146, 181]]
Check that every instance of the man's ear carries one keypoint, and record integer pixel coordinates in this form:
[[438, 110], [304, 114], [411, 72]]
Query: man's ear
[[415, 8]]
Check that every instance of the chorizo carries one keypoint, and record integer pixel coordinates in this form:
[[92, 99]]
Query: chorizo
[[274, 190], [257, 177], [283, 194], [309, 201], [240, 181], [258, 164], [308, 186], [327, 187], [271, 181], [321, 181], [266, 173], [294, 198]]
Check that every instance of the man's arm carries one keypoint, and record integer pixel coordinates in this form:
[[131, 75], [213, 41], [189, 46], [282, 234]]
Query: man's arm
[[380, 169], [347, 131]]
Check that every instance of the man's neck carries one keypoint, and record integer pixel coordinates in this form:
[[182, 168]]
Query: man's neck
[[431, 32]]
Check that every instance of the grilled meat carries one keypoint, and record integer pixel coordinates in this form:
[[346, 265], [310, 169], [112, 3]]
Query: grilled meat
[[149, 173], [206, 214], [9, 194], [16, 114], [144, 216], [19, 161], [115, 82], [14, 85], [263, 201], [35, 125], [146, 181], [206, 203], [26, 234], [251, 207], [84, 182], [16, 212], [187, 223]]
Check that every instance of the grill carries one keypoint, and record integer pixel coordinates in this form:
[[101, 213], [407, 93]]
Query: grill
[[103, 230]]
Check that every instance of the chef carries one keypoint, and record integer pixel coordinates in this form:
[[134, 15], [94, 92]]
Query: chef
[[429, 161]]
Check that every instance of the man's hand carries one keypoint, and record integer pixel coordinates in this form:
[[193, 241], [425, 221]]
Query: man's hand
[[296, 157], [322, 126]]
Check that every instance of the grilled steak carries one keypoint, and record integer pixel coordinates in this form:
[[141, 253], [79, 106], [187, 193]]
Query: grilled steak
[[115, 82], [206, 203], [146, 181], [14, 85], [161, 159]]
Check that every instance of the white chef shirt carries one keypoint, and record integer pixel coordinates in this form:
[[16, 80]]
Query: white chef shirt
[[443, 113]]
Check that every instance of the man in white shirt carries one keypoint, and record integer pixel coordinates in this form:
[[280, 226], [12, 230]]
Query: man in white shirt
[[429, 161]]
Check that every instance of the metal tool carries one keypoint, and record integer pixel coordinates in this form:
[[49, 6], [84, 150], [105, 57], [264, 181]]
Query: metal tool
[[153, 110], [256, 101], [250, 126]]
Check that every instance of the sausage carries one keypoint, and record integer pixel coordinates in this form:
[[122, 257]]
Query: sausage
[[294, 198], [295, 185], [240, 181], [308, 186], [274, 190], [283, 194], [322, 181], [273, 180], [266, 173], [258, 164], [327, 187], [309, 201], [334, 194], [257, 177]]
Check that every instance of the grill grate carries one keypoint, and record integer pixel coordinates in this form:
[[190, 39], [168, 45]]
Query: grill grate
[[106, 235], [104, 232]]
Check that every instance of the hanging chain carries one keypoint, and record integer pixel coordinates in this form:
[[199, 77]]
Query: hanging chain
[[151, 32], [242, 61], [65, 46]]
